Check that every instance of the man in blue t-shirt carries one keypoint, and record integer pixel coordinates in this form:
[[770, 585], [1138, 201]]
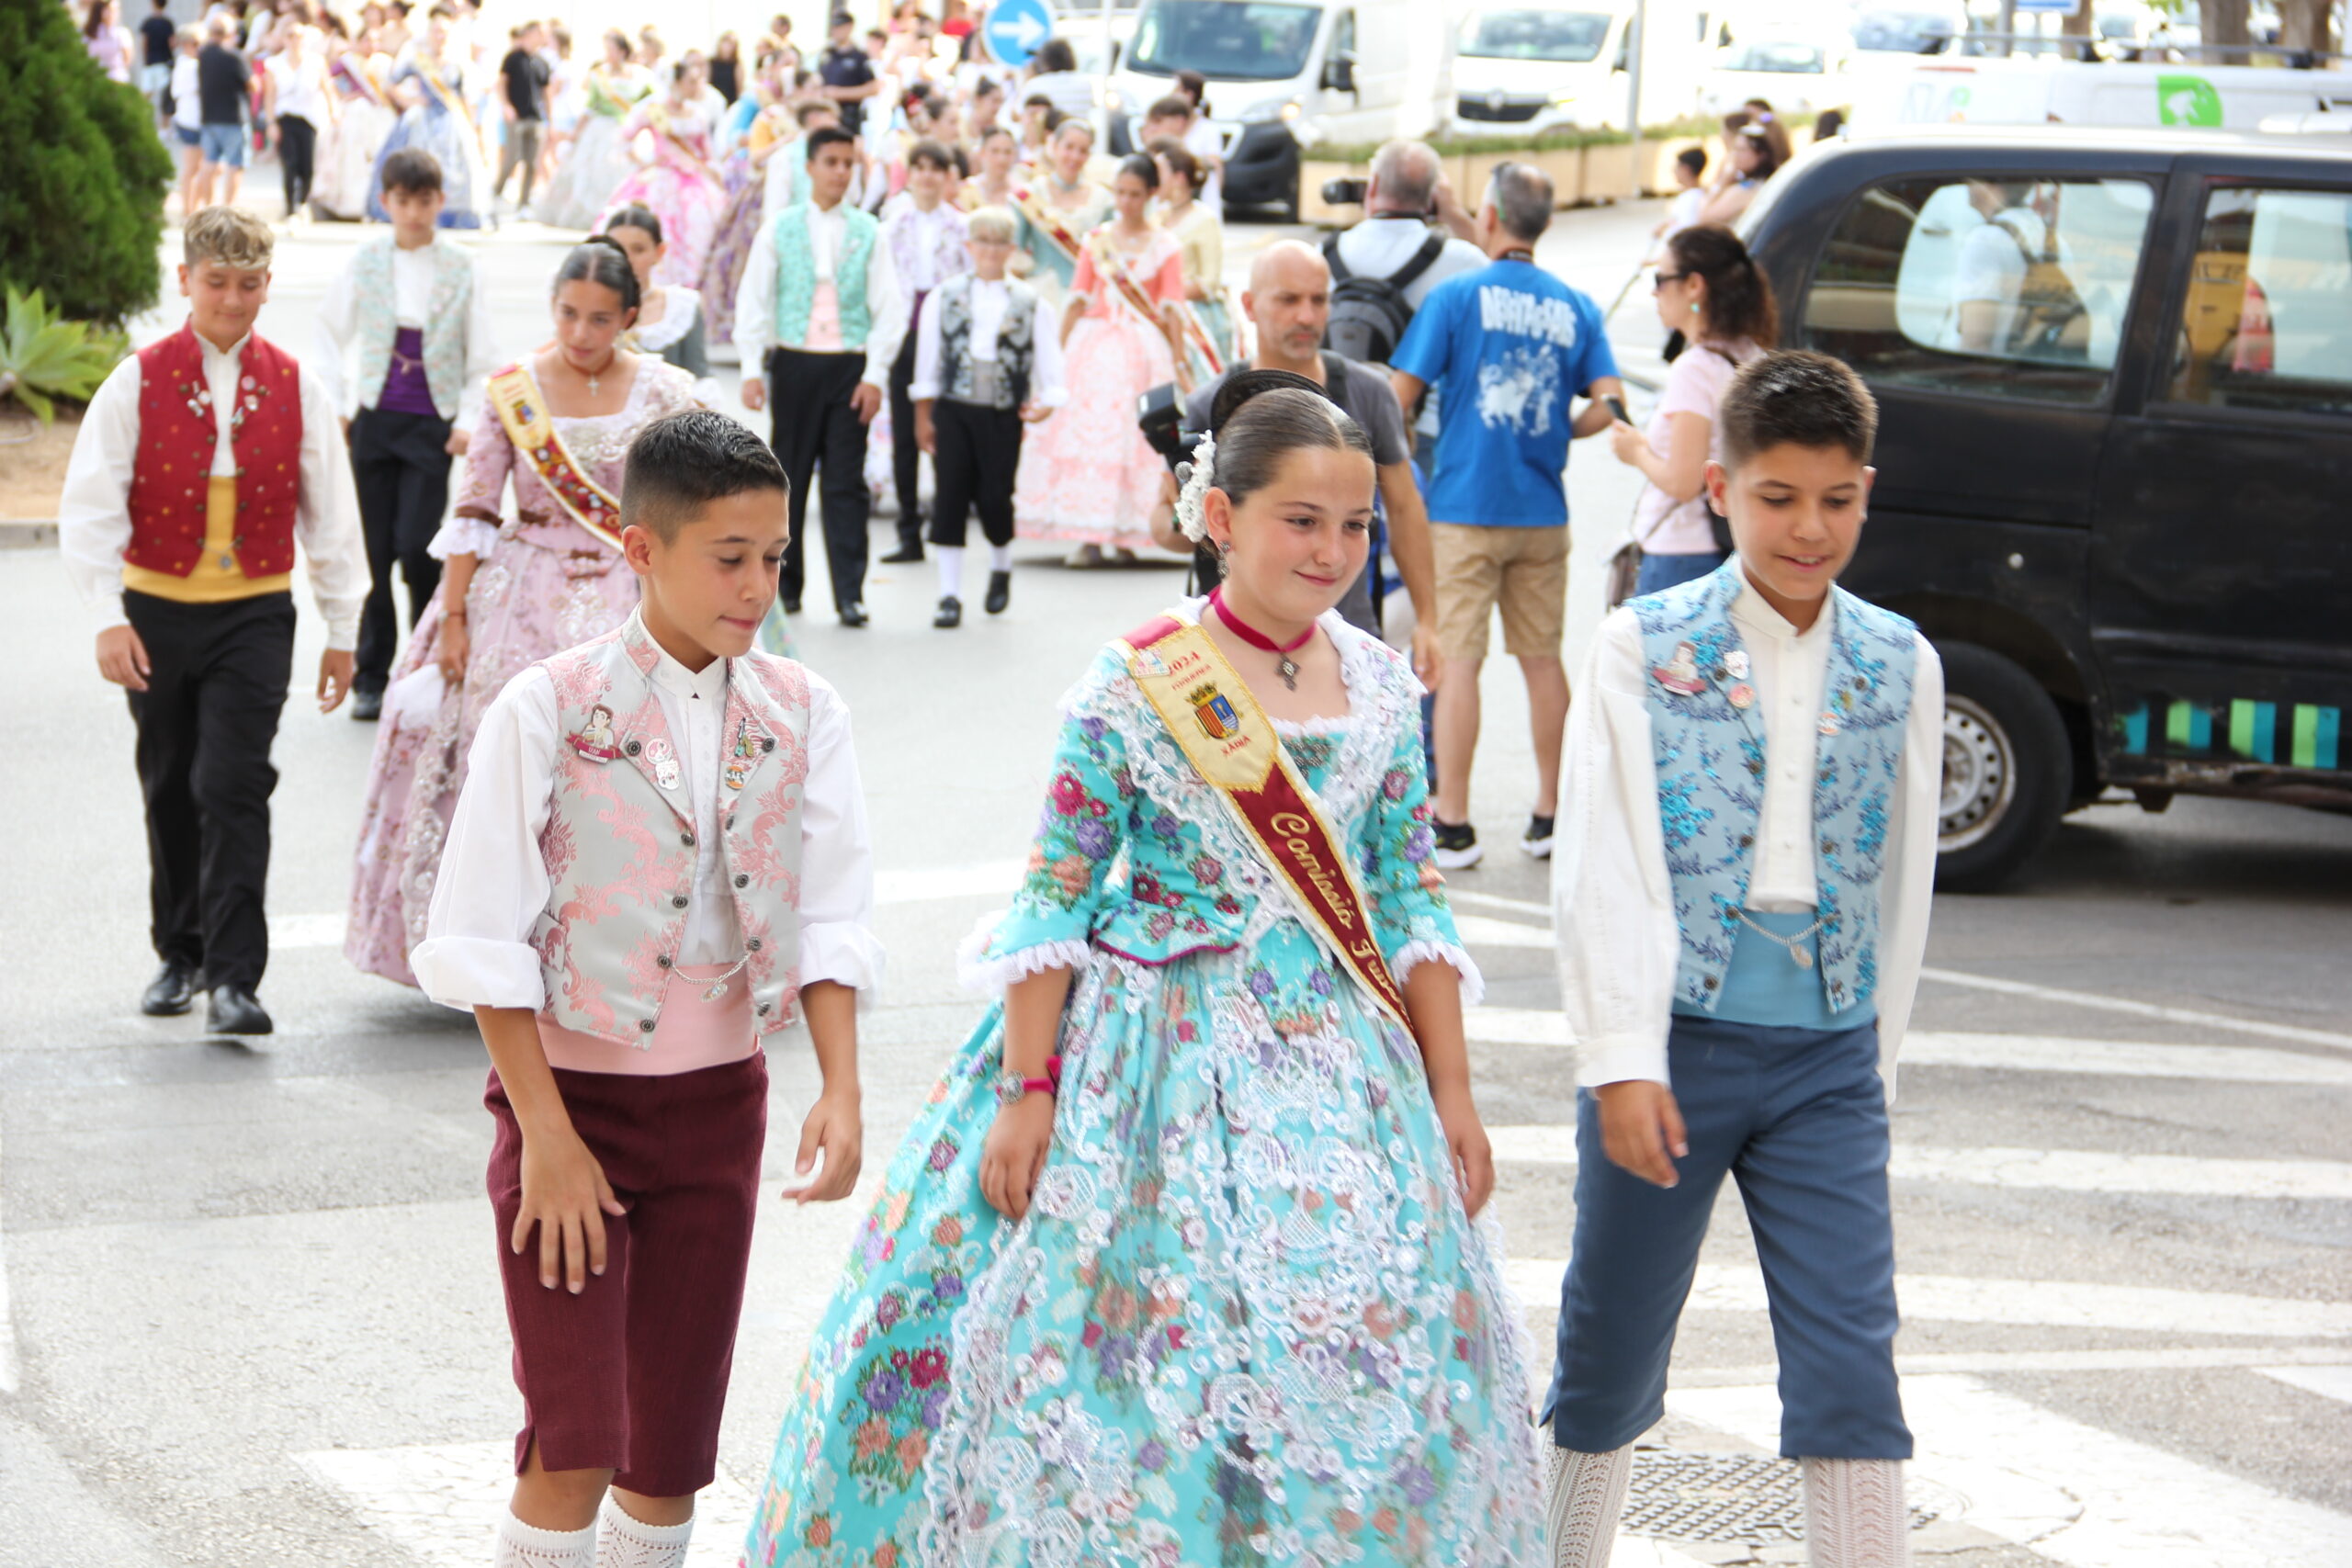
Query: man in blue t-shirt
[[1508, 347]]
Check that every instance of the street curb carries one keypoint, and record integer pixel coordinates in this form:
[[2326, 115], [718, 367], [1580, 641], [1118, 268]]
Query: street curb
[[27, 534]]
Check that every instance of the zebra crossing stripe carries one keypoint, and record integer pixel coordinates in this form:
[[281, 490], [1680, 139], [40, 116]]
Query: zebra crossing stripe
[[2073, 1493]]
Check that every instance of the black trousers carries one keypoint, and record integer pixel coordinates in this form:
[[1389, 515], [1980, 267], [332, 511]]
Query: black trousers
[[906, 458], [400, 462], [979, 451], [814, 427], [217, 682], [298, 143]]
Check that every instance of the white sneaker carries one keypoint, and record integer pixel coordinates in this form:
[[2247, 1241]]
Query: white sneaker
[[1457, 847], [1537, 841]]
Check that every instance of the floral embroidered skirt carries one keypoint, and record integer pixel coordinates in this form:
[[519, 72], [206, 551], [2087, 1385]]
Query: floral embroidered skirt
[[1087, 475], [1245, 1322], [524, 604]]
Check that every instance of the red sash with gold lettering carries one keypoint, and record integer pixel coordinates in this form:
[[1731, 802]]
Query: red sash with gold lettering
[[523, 411], [1226, 736]]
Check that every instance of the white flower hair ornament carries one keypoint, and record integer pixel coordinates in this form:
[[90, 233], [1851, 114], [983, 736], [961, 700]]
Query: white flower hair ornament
[[1196, 477]]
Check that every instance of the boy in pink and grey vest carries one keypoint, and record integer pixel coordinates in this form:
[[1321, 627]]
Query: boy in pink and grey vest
[[659, 861]]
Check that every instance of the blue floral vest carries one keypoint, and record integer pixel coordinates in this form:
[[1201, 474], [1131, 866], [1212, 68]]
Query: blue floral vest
[[795, 276], [445, 327], [1711, 769]]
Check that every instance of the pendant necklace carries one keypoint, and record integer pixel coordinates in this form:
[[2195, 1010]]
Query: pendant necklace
[[592, 376], [1288, 668]]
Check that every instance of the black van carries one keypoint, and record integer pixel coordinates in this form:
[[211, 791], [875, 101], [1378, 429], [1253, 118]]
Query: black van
[[2114, 374]]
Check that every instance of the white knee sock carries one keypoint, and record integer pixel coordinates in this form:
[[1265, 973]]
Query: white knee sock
[[526, 1546], [1588, 1493], [1000, 557], [629, 1543], [951, 571], [1854, 1513]]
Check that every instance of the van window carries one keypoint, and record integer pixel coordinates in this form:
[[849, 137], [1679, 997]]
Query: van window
[[2013, 288], [2268, 323], [1227, 40], [1562, 37]]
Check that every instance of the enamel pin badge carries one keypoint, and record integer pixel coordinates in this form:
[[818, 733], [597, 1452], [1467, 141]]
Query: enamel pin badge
[[741, 758], [1680, 673], [593, 740], [664, 761]]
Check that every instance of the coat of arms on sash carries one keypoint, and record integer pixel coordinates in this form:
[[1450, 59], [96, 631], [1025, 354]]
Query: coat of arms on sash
[[1215, 710]]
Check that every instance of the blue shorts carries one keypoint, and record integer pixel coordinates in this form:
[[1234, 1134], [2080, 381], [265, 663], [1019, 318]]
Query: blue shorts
[[224, 145], [187, 136]]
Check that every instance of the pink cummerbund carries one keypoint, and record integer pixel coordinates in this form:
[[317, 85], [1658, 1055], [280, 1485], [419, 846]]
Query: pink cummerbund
[[693, 1031]]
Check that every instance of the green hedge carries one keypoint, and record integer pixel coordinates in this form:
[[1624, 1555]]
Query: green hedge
[[1553, 141], [83, 172]]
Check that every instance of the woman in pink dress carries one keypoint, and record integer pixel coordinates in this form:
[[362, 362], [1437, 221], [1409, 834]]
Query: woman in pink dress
[[680, 187], [1087, 475], [526, 583]]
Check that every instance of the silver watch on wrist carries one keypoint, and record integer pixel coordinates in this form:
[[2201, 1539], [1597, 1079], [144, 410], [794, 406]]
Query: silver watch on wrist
[[1012, 1089]]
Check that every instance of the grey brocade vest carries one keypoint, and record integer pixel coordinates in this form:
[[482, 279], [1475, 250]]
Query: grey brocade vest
[[1016, 343]]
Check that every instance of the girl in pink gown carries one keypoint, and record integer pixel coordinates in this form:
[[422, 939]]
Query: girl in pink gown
[[681, 186], [1087, 475], [534, 579]]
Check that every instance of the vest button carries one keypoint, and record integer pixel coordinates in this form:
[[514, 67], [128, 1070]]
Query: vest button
[[1747, 840], [1710, 982], [679, 902], [663, 959], [687, 838], [762, 1009], [730, 824], [741, 880], [645, 1026], [753, 944], [767, 743], [631, 748], [1830, 846]]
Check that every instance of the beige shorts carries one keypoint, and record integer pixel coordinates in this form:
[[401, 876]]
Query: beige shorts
[[1521, 572]]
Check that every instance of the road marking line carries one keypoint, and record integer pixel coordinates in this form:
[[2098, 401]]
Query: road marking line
[[2141, 1009], [2072, 1493], [1484, 930], [290, 931], [1496, 901], [2063, 1170], [2168, 1359], [918, 884], [7, 1322], [1950, 1298], [2008, 1052], [2332, 1383], [442, 1501]]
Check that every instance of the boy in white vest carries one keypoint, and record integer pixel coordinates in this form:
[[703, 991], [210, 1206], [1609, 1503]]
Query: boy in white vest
[[659, 861], [412, 310], [982, 370], [1746, 845]]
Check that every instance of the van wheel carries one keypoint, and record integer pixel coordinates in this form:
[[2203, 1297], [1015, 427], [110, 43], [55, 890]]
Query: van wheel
[[2006, 770]]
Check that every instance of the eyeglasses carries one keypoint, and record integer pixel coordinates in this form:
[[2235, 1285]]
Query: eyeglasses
[[1658, 280]]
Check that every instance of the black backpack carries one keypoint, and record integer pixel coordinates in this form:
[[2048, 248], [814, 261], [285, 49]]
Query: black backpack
[[1369, 314]]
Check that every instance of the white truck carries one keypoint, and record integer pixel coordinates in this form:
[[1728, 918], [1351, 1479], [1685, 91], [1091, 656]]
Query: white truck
[[1522, 69]]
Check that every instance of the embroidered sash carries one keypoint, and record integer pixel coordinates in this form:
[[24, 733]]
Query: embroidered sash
[[451, 99], [1048, 222], [1226, 736], [523, 414], [1114, 268], [1197, 332]]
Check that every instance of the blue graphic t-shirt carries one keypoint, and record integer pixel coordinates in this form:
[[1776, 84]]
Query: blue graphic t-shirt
[[1505, 346]]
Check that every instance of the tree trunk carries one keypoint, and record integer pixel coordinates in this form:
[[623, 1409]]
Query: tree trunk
[[2079, 24], [2307, 24], [2224, 21]]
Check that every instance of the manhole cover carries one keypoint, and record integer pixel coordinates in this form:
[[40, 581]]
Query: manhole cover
[[1691, 1497]]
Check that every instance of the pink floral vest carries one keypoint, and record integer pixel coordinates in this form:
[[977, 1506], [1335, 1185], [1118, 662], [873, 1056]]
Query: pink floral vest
[[620, 845]]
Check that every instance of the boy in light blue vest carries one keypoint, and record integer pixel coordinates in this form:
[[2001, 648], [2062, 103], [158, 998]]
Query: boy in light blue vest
[[1746, 845]]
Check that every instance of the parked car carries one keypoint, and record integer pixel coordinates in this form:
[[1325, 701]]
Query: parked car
[[2114, 374], [1521, 68]]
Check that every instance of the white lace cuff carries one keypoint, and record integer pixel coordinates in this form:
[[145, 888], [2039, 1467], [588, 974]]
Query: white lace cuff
[[988, 975], [1416, 953], [463, 537]]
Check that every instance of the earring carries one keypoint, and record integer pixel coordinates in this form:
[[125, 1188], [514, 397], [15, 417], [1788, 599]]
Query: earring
[[1694, 307]]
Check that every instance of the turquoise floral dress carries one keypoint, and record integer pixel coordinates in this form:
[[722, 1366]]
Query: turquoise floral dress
[[1246, 1320]]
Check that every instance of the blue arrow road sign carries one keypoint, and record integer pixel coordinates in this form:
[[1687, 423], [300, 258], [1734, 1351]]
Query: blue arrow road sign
[[1015, 28]]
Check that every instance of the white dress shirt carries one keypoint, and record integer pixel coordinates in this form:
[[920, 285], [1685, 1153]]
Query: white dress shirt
[[1613, 898], [923, 274], [492, 885], [94, 513], [989, 301], [413, 278], [828, 232]]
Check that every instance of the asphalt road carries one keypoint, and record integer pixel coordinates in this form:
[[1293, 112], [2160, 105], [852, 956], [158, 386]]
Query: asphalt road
[[247, 1312]]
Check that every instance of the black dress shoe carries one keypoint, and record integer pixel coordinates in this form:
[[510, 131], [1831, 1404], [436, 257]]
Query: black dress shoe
[[852, 615], [792, 607], [171, 992], [1000, 593], [366, 707], [233, 1010], [904, 554], [951, 614]]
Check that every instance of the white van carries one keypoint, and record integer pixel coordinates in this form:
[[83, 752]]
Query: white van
[[1522, 69], [1285, 75], [2044, 90]]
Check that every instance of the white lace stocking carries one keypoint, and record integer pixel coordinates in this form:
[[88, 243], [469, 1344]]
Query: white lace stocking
[[631, 1543], [1854, 1513], [526, 1546], [1588, 1493]]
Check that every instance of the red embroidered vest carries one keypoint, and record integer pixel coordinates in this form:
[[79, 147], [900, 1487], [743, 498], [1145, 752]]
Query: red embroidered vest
[[177, 432]]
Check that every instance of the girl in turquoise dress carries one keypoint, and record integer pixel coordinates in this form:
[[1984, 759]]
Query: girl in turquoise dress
[[1218, 1295]]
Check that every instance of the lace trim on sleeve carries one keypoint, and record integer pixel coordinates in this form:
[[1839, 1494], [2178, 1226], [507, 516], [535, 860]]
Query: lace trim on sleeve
[[463, 535], [1413, 954], [988, 975]]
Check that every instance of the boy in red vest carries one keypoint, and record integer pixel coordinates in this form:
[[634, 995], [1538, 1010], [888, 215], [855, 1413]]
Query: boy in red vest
[[202, 460]]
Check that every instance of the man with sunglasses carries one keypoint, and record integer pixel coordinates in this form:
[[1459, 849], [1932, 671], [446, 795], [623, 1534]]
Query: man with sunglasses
[[1506, 348]]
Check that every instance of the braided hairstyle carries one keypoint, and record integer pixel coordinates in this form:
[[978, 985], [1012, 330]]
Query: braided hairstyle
[[1739, 297]]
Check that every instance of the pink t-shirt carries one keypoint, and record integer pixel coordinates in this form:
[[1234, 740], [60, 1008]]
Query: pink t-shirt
[[1695, 383]]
